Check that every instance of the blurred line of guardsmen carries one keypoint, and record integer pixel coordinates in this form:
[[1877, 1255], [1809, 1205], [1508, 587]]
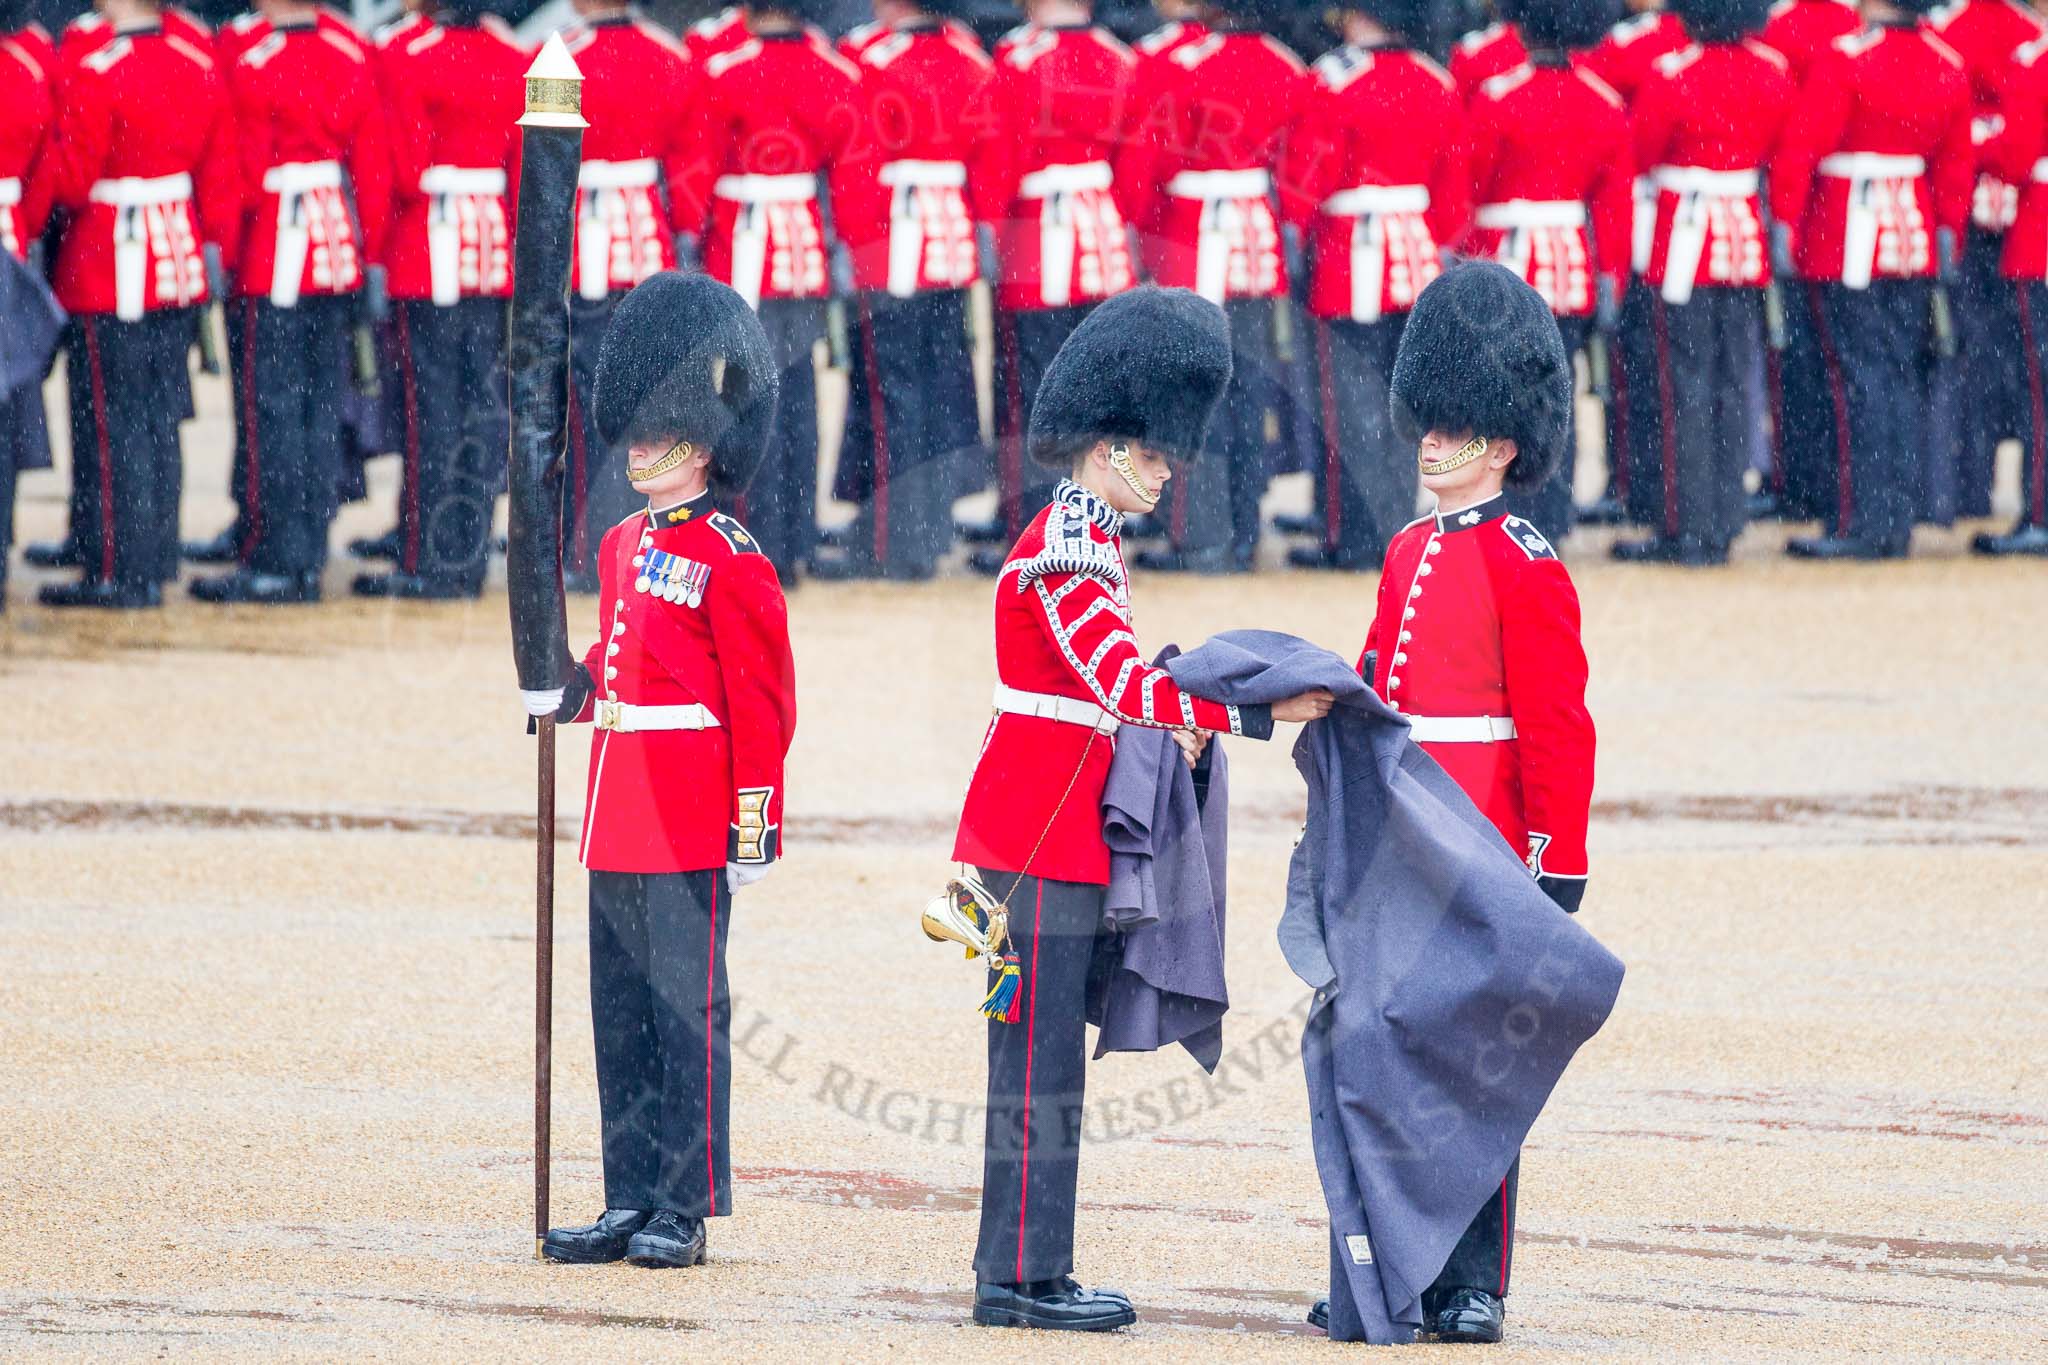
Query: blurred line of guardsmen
[[1802, 248]]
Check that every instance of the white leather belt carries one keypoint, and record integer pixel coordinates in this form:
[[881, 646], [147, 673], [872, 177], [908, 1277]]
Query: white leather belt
[[627, 718], [1872, 166], [1065, 179], [135, 192], [796, 188], [2040, 176], [1700, 180], [1460, 729], [1066, 710], [924, 174], [10, 191], [1531, 213], [619, 175], [1361, 200], [298, 177], [462, 180], [1247, 184]]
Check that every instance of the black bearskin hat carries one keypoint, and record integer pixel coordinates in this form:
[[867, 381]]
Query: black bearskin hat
[[15, 14], [1256, 14], [1149, 364], [1919, 6], [1562, 24], [818, 13], [1412, 21], [1722, 21], [472, 11], [685, 359], [1482, 353]]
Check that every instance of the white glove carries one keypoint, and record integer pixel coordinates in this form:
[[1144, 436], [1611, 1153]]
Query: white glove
[[738, 875], [545, 702]]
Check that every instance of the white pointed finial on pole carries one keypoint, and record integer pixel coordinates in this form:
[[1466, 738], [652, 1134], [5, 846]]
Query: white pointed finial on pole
[[554, 89]]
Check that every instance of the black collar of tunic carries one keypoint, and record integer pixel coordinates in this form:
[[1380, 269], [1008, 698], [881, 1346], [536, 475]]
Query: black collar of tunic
[[690, 509], [1478, 514], [1071, 494]]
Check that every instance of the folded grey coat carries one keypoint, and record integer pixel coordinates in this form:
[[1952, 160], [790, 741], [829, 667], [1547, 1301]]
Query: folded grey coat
[[1450, 992]]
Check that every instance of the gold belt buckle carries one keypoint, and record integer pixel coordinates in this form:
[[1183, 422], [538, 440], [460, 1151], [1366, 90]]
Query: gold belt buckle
[[611, 715]]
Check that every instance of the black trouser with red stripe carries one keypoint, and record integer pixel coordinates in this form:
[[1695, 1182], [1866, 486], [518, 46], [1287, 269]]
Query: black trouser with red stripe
[[661, 1016], [1701, 400], [1031, 1144], [1991, 404], [1484, 1256], [1549, 506], [596, 494], [781, 505], [1026, 341], [1213, 505], [1633, 450], [911, 415], [2032, 311], [290, 390], [452, 381], [127, 385], [1369, 479], [1874, 343]]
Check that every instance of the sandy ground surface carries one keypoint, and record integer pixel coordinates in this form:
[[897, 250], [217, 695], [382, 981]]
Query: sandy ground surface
[[266, 954]]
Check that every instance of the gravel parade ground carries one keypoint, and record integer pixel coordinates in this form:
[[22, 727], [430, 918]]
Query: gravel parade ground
[[266, 974]]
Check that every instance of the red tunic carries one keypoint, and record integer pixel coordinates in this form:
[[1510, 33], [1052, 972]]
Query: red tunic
[[900, 197], [1631, 48], [143, 157], [315, 158], [1476, 617], [25, 114], [1054, 122], [855, 42], [1198, 180], [1803, 29], [1986, 34], [1707, 121], [1481, 55], [1878, 157], [1063, 629], [249, 28], [1550, 160], [2017, 153], [639, 93], [774, 111], [90, 32], [688, 800], [1377, 177], [456, 93]]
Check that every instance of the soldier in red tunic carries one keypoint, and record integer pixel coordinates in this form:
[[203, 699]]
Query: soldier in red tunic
[[902, 205], [1132, 389], [1552, 173], [1475, 637], [454, 85], [776, 110], [1198, 187], [142, 161], [1708, 120], [1871, 196], [692, 688], [315, 160], [1377, 179], [2019, 154], [639, 85], [26, 112], [1056, 119]]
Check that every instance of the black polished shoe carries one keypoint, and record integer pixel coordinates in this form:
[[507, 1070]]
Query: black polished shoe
[[1837, 547], [993, 532], [94, 593], [1052, 1305], [842, 569], [1215, 560], [2021, 540], [668, 1242], [52, 554], [1319, 1316], [1606, 512], [1298, 524], [988, 563], [599, 1243], [1323, 557], [375, 547], [1664, 550], [224, 548], [413, 586], [1762, 505], [269, 589], [1471, 1316], [582, 582]]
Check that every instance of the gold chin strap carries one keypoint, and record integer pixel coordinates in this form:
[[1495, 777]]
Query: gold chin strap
[[1465, 455], [677, 454], [1120, 461]]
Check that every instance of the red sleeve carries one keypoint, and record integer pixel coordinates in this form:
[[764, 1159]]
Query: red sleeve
[[705, 140], [1819, 116], [1655, 118], [1153, 141], [1081, 619], [1484, 141], [1953, 174], [684, 90], [406, 126], [1544, 665], [1308, 171], [993, 119], [35, 186], [1450, 186], [82, 137], [2011, 155], [1613, 206], [750, 632]]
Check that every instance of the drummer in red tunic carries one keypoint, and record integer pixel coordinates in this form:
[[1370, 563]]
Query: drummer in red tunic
[[1131, 390], [1476, 635]]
